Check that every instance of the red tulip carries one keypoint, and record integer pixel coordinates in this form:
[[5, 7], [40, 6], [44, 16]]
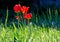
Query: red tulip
[[17, 17], [17, 8], [28, 16], [24, 9]]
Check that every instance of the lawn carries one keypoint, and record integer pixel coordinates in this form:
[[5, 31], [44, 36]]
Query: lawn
[[30, 33]]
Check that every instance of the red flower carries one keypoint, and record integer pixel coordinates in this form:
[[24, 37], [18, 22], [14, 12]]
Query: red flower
[[17, 8], [24, 9], [28, 16], [16, 17]]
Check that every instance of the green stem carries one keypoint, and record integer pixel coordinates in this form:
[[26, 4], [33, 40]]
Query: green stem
[[18, 23], [28, 21], [18, 19], [6, 18], [50, 17], [56, 15], [36, 19]]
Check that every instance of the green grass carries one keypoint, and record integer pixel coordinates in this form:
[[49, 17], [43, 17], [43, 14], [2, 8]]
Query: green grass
[[30, 33]]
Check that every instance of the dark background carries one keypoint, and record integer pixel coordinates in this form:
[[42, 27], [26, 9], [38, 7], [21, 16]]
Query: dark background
[[31, 3], [40, 5], [10, 3]]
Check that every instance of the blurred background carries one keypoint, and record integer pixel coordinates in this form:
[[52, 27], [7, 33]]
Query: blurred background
[[36, 6], [36, 3], [42, 5]]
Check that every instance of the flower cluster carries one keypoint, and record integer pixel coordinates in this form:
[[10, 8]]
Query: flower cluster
[[23, 9]]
